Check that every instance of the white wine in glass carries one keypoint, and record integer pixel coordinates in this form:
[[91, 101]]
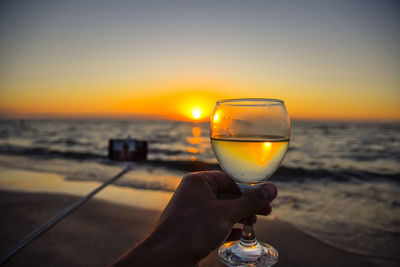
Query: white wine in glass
[[249, 138], [250, 161]]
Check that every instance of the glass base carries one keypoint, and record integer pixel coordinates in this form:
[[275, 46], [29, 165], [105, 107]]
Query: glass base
[[235, 254]]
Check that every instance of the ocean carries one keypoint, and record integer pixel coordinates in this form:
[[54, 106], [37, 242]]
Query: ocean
[[339, 182]]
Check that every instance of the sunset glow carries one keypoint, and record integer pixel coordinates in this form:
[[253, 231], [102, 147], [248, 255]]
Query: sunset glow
[[67, 64], [196, 113]]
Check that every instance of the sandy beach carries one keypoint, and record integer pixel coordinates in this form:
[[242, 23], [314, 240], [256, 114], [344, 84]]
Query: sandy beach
[[100, 231]]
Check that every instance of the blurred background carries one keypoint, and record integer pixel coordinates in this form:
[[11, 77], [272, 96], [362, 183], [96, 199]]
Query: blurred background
[[74, 74]]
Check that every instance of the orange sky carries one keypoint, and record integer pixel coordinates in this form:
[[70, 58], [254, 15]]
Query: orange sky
[[326, 61], [180, 103]]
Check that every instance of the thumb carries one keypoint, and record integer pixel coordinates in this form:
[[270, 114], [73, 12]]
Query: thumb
[[250, 202]]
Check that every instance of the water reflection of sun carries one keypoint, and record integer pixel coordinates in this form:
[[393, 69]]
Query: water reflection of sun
[[195, 140]]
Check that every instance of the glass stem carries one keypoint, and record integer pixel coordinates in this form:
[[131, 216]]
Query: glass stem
[[248, 236]]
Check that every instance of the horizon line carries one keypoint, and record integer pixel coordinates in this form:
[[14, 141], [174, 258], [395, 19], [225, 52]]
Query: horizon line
[[165, 118]]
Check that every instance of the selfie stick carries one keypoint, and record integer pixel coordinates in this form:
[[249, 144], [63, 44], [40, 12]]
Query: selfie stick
[[40, 230]]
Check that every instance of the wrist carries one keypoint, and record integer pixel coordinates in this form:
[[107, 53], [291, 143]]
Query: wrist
[[160, 248]]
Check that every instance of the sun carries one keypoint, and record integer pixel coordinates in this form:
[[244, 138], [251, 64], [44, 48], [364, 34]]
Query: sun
[[196, 113]]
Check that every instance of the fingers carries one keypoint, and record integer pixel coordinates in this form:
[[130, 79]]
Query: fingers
[[267, 210], [228, 195], [235, 234], [218, 181], [251, 202], [249, 220]]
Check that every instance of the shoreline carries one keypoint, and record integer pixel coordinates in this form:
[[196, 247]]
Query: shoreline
[[283, 174], [100, 231], [33, 181]]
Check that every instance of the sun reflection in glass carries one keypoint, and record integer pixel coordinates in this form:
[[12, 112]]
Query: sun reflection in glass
[[216, 117]]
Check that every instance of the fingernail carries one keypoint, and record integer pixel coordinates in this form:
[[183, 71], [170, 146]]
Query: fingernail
[[268, 191]]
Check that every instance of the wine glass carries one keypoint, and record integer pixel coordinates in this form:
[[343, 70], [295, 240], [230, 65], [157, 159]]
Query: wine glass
[[249, 137]]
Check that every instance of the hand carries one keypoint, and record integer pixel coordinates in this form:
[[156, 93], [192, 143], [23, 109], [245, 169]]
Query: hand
[[197, 220]]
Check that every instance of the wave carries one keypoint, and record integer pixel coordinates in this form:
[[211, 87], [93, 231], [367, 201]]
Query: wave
[[284, 173], [6, 149], [63, 141], [168, 152]]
